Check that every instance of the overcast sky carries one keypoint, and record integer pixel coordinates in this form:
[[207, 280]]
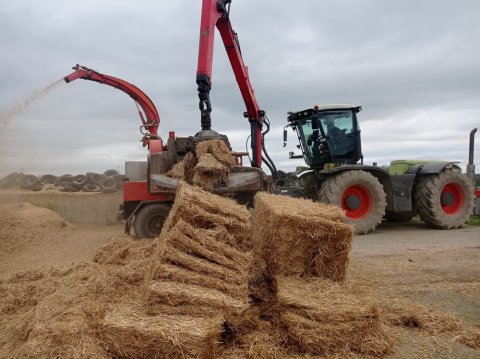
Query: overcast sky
[[414, 66]]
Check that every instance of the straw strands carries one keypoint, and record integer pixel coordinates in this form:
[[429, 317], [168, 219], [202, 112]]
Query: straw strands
[[208, 167], [300, 237], [129, 333]]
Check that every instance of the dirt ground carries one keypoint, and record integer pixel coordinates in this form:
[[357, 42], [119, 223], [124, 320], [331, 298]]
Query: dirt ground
[[440, 269]]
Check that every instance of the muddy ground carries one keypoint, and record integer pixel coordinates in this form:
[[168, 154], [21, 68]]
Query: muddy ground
[[440, 269]]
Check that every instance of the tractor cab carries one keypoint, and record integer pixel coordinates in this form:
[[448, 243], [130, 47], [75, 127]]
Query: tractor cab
[[328, 134]]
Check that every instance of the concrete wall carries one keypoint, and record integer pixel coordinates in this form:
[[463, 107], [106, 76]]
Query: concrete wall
[[77, 207]]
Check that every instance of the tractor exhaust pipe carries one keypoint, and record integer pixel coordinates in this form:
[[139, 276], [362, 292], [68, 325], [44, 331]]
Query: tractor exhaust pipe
[[471, 166]]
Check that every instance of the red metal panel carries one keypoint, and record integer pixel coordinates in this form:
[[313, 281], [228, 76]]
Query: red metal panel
[[138, 191]]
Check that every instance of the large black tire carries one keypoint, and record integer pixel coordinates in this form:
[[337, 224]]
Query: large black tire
[[10, 180], [444, 201], [150, 219], [399, 217], [28, 181], [94, 178], [48, 179], [108, 185], [79, 181], [360, 194]]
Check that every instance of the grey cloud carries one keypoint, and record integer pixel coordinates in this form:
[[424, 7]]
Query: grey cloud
[[408, 63]]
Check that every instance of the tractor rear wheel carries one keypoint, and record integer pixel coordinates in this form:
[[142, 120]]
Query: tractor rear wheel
[[445, 200], [150, 219], [360, 194]]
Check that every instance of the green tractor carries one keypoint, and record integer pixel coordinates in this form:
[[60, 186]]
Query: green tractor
[[329, 138]]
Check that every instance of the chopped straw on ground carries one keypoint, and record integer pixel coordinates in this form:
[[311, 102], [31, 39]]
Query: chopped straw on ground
[[22, 224]]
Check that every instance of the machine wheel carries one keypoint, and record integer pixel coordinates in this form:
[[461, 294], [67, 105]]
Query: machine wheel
[[360, 194], [150, 219], [445, 200], [399, 216]]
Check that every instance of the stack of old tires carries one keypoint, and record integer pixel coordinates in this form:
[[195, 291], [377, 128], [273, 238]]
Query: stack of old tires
[[108, 182]]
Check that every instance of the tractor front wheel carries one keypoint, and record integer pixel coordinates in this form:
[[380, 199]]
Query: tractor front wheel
[[359, 194], [150, 219], [445, 200]]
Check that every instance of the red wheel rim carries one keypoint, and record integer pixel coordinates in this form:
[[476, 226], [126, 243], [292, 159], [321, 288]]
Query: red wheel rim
[[456, 198], [364, 205]]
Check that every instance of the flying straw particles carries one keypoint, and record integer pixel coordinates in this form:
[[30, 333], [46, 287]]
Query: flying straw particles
[[300, 237]]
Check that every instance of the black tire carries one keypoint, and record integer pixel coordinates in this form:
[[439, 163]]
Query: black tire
[[28, 181], [93, 178], [65, 178], [48, 179], [399, 217], [37, 187], [150, 219], [10, 180], [108, 185], [64, 184], [90, 188], [361, 188], [444, 201], [110, 173], [79, 181]]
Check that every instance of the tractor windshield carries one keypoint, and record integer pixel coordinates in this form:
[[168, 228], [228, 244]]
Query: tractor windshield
[[336, 130]]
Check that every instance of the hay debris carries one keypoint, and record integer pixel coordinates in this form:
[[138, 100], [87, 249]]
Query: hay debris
[[414, 316], [300, 237], [470, 337], [22, 224]]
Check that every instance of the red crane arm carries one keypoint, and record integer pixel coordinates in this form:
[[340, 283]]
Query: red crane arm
[[215, 14], [150, 117]]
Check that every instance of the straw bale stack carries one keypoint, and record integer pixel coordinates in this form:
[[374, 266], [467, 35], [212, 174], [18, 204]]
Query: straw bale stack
[[300, 237], [227, 221], [322, 317], [129, 333], [200, 267]]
